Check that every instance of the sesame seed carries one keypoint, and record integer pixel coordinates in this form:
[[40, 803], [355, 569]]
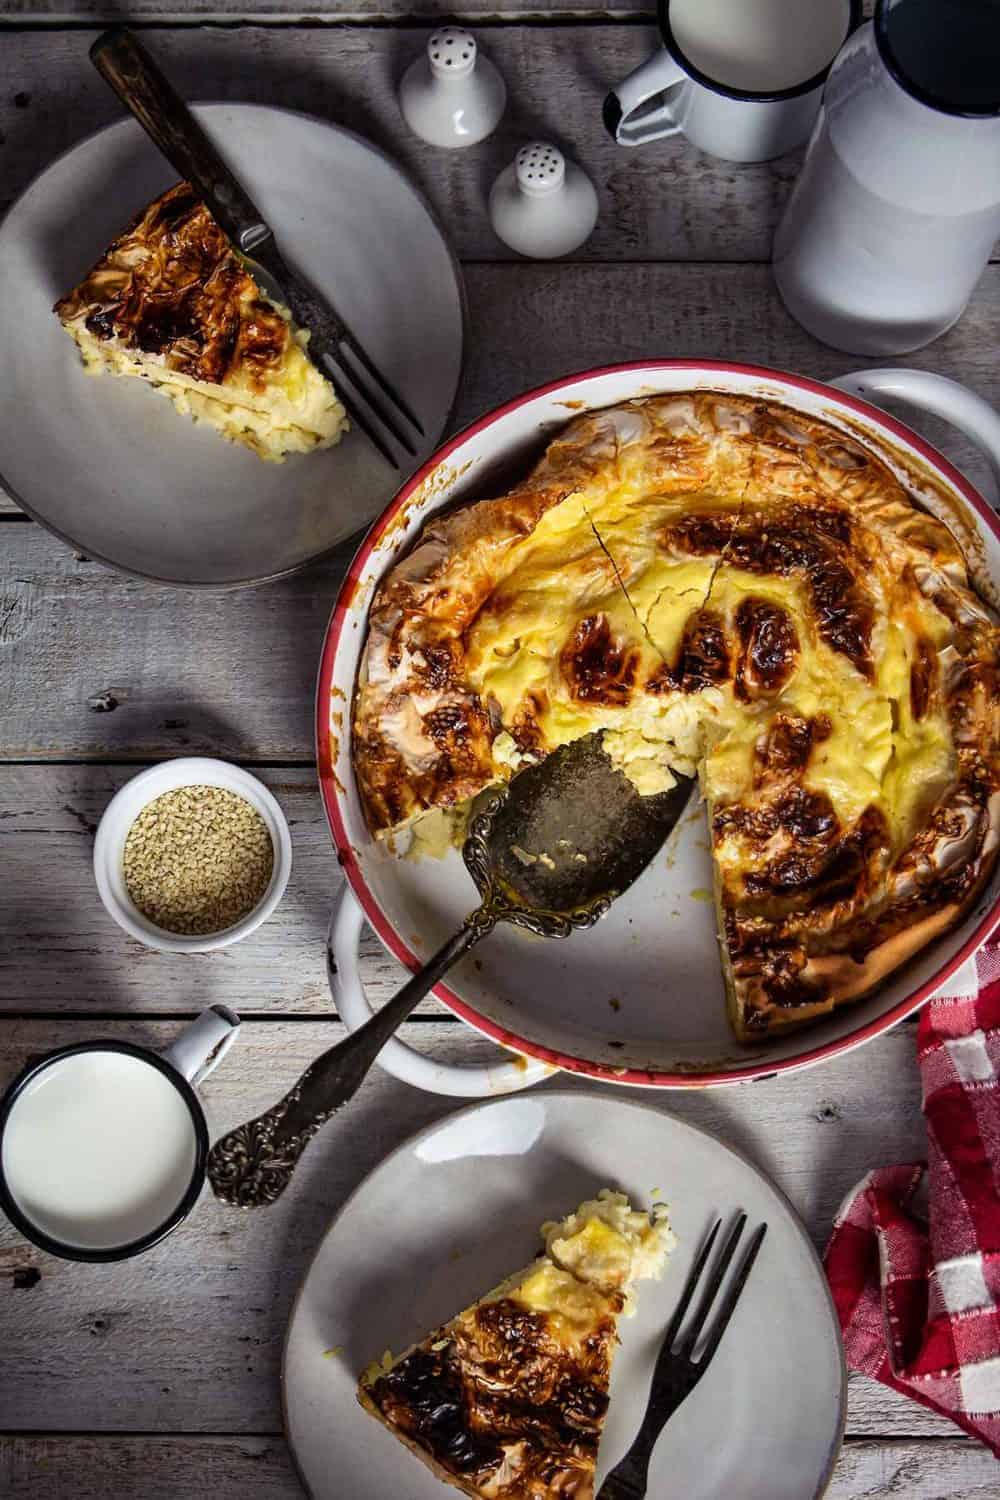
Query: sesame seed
[[198, 859]]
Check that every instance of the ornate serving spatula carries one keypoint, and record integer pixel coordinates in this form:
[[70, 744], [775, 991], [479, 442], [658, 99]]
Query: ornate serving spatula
[[550, 851]]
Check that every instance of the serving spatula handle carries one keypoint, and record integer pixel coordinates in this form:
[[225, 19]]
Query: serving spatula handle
[[124, 63], [253, 1164]]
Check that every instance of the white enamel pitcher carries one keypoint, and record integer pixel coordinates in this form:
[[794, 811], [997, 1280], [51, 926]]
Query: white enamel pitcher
[[897, 208]]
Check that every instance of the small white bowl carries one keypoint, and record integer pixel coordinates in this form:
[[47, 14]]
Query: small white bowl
[[122, 811]]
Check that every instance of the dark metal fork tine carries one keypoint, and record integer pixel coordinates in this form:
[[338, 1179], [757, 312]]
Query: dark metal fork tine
[[377, 406], [732, 1296], [388, 390], [694, 1276], [356, 416], [711, 1290], [675, 1374], [344, 372]]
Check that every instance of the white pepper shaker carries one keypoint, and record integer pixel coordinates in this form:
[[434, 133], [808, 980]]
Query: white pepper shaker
[[543, 205], [452, 95]]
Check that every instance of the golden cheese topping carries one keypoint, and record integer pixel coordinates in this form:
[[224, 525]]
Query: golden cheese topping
[[171, 303], [722, 586]]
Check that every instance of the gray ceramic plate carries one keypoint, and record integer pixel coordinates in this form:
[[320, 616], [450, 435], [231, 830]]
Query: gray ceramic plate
[[108, 464], [454, 1210]]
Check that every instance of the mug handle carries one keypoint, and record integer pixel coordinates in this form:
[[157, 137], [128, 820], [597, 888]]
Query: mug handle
[[201, 1046], [625, 118], [943, 397], [461, 1080]]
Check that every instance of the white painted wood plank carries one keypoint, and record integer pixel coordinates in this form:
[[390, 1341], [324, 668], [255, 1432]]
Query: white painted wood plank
[[949, 1470], [189, 1338], [288, 11], [477, 13], [147, 1468], [60, 951], [236, 671], [664, 201], [248, 1468], [667, 201]]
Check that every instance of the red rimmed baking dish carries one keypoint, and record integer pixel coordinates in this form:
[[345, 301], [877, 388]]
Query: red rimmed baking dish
[[638, 999]]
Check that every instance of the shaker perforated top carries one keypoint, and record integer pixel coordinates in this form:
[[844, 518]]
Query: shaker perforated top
[[452, 95], [452, 51], [541, 204], [540, 168]]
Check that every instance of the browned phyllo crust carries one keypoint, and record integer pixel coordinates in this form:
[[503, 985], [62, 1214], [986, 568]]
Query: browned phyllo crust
[[498, 1405], [171, 285], [722, 585]]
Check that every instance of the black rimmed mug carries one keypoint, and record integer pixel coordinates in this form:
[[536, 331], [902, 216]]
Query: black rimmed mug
[[743, 79], [103, 1144]]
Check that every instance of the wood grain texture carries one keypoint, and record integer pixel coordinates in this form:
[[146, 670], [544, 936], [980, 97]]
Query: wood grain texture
[[331, 12], [665, 201], [950, 1470], [334, 11], [238, 669], [146, 1468], [60, 951], [190, 1337], [248, 1468]]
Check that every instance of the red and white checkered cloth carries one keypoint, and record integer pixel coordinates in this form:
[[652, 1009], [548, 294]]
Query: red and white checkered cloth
[[914, 1260]]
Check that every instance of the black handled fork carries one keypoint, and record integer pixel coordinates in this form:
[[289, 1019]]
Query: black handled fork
[[677, 1372], [370, 401]]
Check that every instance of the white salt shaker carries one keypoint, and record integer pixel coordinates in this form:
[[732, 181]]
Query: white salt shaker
[[543, 205], [452, 95]]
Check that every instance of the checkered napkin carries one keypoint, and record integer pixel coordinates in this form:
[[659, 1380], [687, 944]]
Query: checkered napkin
[[914, 1260]]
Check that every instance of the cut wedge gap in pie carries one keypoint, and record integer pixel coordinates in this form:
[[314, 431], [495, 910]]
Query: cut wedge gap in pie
[[509, 1398], [726, 586], [170, 302]]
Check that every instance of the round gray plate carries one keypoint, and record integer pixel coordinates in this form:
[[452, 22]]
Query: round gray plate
[[107, 463], [458, 1207]]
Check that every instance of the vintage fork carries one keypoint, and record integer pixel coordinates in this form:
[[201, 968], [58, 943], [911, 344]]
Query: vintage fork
[[370, 401], [677, 1372]]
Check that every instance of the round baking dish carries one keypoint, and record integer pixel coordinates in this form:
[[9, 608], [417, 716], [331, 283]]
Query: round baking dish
[[637, 1000]]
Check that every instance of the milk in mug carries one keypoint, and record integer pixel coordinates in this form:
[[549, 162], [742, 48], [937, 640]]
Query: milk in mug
[[99, 1149]]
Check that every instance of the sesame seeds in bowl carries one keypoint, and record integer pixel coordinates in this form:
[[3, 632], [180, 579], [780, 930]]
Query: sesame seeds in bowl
[[192, 855]]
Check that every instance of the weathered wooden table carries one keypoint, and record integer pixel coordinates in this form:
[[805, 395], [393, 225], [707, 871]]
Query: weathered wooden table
[[159, 1378]]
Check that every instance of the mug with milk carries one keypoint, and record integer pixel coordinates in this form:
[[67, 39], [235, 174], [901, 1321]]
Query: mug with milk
[[742, 79], [103, 1144]]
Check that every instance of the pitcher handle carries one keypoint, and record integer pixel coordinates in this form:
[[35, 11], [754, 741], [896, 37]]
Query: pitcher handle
[[462, 1080], [942, 396], [638, 110]]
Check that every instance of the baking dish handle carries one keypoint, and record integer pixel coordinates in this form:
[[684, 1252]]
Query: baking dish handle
[[463, 1081], [942, 396]]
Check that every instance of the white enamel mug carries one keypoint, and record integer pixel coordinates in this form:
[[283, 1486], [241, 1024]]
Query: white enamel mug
[[742, 79], [103, 1144]]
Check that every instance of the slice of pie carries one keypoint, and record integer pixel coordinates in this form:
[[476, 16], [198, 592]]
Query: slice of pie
[[172, 303], [717, 584], [507, 1401]]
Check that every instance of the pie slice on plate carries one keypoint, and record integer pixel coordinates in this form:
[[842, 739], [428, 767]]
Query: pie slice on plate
[[171, 303], [507, 1401]]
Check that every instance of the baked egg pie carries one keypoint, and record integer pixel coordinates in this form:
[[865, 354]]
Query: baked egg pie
[[507, 1401], [723, 586], [172, 303]]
